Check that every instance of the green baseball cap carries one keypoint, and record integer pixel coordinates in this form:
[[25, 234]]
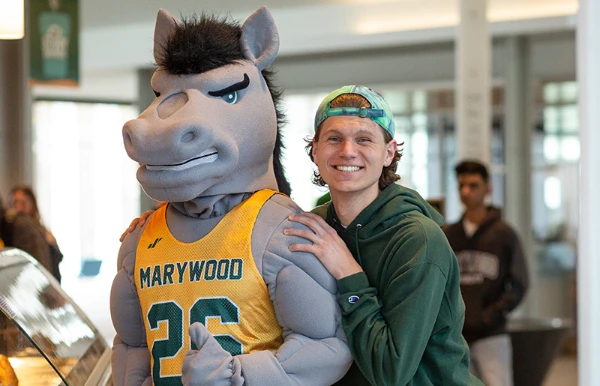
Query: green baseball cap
[[379, 112]]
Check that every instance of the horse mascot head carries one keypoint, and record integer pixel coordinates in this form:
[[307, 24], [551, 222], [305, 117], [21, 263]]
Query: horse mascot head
[[214, 125], [207, 291]]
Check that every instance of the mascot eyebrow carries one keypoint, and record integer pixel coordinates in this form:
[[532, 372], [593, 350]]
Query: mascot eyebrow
[[234, 87]]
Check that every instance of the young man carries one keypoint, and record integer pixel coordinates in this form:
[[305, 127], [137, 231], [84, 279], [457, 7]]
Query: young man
[[493, 275], [397, 277]]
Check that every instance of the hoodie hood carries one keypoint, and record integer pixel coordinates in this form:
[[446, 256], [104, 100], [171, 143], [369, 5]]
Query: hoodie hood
[[494, 215], [395, 200]]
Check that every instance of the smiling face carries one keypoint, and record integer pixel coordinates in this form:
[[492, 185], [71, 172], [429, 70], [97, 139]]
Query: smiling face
[[351, 153], [205, 134]]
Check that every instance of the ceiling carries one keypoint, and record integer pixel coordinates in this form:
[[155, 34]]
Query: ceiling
[[305, 26], [116, 35], [102, 13]]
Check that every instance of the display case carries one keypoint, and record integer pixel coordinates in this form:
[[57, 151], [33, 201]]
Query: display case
[[47, 339]]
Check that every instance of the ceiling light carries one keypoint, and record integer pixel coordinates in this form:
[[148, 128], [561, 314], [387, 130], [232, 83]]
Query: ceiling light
[[12, 23]]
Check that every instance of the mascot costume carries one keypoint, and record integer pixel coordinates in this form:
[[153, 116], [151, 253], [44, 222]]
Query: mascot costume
[[207, 292]]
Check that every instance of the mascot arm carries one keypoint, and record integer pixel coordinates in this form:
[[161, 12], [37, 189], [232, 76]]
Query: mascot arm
[[130, 356], [130, 365], [314, 351]]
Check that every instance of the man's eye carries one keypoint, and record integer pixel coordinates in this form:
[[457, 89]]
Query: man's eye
[[231, 97]]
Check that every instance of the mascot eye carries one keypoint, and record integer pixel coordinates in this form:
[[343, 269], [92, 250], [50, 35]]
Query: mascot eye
[[230, 98], [156, 93], [230, 94]]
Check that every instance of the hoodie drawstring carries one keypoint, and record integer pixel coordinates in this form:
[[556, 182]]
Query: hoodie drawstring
[[358, 226]]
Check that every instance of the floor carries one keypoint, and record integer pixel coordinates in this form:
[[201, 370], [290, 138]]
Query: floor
[[92, 296], [563, 372]]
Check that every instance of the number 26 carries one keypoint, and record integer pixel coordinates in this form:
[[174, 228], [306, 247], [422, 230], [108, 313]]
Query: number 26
[[201, 311]]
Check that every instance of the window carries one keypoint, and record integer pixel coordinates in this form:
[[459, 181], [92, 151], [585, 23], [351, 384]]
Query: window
[[300, 110], [84, 181], [555, 158]]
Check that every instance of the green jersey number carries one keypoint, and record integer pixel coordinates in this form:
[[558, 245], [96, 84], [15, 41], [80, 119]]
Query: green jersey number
[[171, 313], [218, 307]]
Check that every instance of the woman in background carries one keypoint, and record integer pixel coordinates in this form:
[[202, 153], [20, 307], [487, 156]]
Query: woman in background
[[22, 199]]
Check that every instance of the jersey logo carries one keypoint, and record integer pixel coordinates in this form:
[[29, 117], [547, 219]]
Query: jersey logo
[[154, 243]]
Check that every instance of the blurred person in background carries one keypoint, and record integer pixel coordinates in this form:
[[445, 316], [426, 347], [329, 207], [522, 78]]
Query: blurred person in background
[[493, 275], [22, 199], [18, 230]]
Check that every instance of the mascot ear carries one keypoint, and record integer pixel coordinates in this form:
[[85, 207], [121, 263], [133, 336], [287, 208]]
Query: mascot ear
[[260, 39], [165, 26]]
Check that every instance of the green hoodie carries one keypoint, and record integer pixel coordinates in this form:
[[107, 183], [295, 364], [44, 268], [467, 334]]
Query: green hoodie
[[405, 327]]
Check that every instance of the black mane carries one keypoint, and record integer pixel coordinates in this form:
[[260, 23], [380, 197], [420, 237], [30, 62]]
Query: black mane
[[207, 42]]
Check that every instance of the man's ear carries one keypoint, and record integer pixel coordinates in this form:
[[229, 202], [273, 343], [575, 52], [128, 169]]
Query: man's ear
[[390, 152]]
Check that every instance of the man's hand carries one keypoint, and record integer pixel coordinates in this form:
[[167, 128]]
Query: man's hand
[[326, 245], [140, 221]]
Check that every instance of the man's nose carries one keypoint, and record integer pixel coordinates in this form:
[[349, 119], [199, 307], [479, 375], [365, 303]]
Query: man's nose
[[348, 148]]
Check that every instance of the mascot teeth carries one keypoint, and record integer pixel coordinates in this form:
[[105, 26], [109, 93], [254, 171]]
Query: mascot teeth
[[206, 157]]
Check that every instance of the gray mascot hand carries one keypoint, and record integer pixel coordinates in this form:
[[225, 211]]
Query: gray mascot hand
[[210, 364]]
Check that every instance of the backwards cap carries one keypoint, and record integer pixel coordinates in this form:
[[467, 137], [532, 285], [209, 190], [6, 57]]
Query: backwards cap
[[379, 112]]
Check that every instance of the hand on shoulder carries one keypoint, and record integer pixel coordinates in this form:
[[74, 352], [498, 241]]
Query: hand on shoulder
[[326, 245], [135, 223]]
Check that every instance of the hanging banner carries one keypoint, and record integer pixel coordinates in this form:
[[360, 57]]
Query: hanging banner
[[54, 42]]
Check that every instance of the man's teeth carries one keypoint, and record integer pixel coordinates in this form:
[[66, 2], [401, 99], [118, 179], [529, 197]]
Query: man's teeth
[[347, 168]]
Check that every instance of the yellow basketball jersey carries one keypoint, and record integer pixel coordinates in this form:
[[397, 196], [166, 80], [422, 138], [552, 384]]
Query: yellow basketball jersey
[[1, 243], [213, 281]]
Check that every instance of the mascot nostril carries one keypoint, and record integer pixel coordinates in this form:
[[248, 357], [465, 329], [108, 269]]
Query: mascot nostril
[[188, 137], [128, 138], [193, 301]]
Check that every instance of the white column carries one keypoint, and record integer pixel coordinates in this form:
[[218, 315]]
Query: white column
[[473, 126], [588, 269], [518, 125]]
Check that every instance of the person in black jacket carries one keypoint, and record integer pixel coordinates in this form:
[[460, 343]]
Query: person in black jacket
[[493, 275]]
